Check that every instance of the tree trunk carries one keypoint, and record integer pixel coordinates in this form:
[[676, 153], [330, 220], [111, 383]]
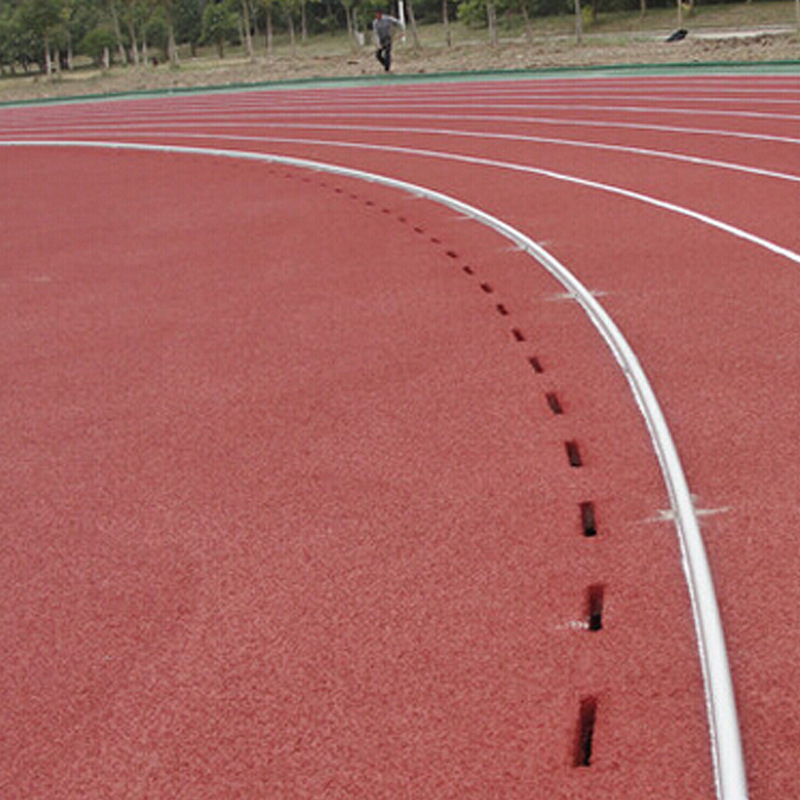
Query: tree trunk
[[172, 47], [349, 15], [579, 22], [123, 56], [527, 18], [248, 39], [290, 22], [491, 15], [48, 61], [134, 46], [446, 22], [642, 8], [409, 6], [269, 29], [303, 21]]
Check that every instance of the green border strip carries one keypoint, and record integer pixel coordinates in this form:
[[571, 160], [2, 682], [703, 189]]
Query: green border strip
[[786, 67]]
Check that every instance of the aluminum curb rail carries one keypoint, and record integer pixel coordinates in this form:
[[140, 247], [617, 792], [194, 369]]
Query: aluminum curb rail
[[726, 748]]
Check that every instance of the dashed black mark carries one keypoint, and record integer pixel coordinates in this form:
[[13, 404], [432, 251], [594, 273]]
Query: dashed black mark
[[502, 310], [554, 403], [518, 334], [584, 739], [573, 453], [588, 521], [595, 597]]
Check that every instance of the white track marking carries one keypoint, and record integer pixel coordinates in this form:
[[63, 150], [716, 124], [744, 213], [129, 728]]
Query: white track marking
[[726, 748], [451, 132], [264, 118], [664, 205]]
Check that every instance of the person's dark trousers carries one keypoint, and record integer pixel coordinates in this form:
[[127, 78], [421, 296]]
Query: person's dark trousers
[[384, 54]]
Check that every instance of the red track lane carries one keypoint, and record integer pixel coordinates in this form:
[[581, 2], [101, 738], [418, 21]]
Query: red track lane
[[291, 514]]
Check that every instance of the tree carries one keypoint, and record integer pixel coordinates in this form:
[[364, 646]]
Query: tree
[[219, 24], [97, 43], [43, 18]]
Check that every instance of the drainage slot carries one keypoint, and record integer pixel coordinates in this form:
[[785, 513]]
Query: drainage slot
[[587, 520], [573, 454], [468, 269], [584, 740], [518, 334], [554, 403], [487, 288], [452, 254], [536, 364], [594, 606], [501, 309]]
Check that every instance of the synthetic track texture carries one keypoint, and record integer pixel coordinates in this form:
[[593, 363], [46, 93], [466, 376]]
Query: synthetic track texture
[[295, 509]]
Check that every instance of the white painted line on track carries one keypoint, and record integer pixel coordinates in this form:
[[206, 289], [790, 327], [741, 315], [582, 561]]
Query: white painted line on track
[[264, 117], [488, 135], [665, 205], [726, 748]]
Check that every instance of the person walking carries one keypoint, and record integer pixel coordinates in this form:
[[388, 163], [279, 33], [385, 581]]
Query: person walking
[[383, 27]]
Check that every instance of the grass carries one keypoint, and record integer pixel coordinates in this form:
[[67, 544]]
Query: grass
[[333, 54]]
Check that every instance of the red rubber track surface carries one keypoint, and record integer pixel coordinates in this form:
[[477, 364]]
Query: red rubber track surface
[[288, 508]]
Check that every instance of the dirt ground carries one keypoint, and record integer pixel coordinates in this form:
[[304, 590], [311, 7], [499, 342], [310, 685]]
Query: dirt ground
[[552, 52]]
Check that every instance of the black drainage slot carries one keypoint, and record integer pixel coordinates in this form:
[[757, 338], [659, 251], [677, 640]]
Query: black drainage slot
[[487, 288], [452, 254], [468, 269], [501, 309], [536, 364], [588, 522], [518, 334], [554, 403], [595, 596], [584, 740], [573, 454]]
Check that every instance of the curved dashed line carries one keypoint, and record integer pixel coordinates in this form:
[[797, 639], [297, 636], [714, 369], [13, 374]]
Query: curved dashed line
[[726, 748]]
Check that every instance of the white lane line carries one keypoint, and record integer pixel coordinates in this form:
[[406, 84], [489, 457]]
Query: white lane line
[[265, 116], [297, 105], [125, 129], [664, 205], [725, 739]]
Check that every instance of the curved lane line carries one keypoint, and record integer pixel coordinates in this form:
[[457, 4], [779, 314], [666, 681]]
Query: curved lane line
[[241, 119], [665, 205], [726, 748], [142, 130]]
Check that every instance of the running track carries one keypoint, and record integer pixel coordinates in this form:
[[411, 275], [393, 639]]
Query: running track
[[298, 465]]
